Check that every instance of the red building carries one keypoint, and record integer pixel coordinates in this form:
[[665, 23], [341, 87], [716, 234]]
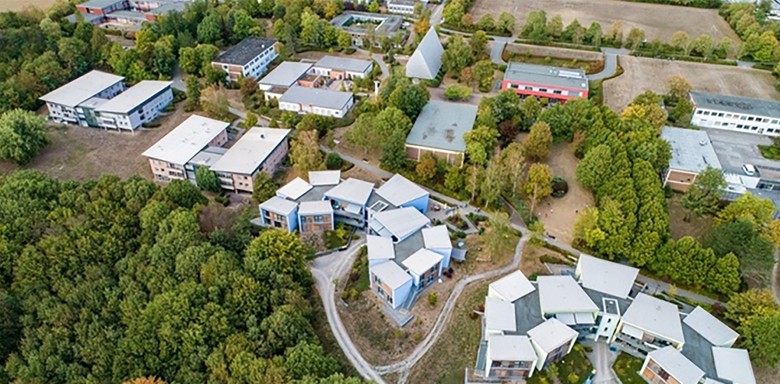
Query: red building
[[555, 84]]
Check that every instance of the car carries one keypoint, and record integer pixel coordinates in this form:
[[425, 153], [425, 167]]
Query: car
[[749, 169]]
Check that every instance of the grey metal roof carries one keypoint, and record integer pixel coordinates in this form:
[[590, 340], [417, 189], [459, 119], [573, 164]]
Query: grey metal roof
[[285, 74], [98, 3], [606, 276], [243, 52], [692, 150], [400, 190], [573, 78], [251, 150], [673, 362], [82, 88], [278, 205], [709, 327], [656, 316], [318, 97], [425, 62], [186, 140], [442, 125], [736, 104], [344, 64], [734, 365], [135, 96]]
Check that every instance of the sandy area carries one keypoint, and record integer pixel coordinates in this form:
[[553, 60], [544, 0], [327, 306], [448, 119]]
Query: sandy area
[[18, 5]]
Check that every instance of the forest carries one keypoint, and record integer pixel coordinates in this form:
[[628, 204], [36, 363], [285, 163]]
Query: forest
[[113, 280]]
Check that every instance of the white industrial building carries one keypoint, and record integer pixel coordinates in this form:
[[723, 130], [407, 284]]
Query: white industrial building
[[761, 117]]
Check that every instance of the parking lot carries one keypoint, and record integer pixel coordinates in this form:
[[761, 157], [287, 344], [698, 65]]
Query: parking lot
[[735, 149]]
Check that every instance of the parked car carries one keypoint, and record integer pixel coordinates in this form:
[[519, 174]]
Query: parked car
[[749, 169]]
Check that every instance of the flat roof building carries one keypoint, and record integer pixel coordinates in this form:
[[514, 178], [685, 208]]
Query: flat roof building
[[553, 83], [605, 276], [323, 102], [733, 113], [710, 328], [134, 107], [249, 58], [342, 68], [321, 178], [562, 297], [439, 130], [358, 25], [662, 363], [65, 102], [511, 287], [259, 150], [692, 152], [653, 320], [285, 75]]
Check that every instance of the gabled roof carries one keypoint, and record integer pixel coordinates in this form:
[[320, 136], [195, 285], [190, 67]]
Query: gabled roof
[[656, 316], [499, 315], [421, 261], [135, 96], [673, 362], [286, 74], [278, 205], [315, 207], [391, 274], [710, 328], [351, 190], [512, 286], [186, 140], [426, 59], [400, 191], [318, 178], [399, 223], [380, 248], [551, 334], [294, 189], [82, 88], [510, 348], [606, 276], [249, 153], [437, 237], [561, 294], [339, 63], [734, 365]]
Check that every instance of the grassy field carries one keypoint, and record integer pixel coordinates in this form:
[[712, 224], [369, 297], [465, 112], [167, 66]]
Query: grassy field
[[626, 368], [456, 348], [18, 5]]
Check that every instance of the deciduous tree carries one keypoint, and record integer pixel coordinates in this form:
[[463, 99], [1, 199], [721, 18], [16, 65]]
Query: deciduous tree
[[263, 187], [537, 144], [207, 179], [539, 184], [305, 152], [22, 135], [703, 196], [426, 167]]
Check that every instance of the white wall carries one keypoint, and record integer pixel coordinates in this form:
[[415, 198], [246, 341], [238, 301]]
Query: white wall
[[401, 293], [730, 121]]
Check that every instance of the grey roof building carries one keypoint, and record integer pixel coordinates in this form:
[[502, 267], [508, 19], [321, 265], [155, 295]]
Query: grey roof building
[[285, 74], [439, 129], [345, 64], [82, 88], [243, 52], [426, 59], [387, 24], [568, 78], [135, 96], [319, 97], [735, 104], [691, 149]]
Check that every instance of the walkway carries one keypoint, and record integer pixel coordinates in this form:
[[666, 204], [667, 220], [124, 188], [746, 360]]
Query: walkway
[[610, 63], [602, 360], [497, 49]]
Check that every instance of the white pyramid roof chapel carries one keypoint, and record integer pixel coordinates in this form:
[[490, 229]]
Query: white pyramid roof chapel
[[426, 59]]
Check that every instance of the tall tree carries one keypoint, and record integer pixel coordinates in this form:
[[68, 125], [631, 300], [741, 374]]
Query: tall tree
[[305, 152], [457, 55], [22, 135], [263, 187], [409, 98], [493, 183], [513, 162], [207, 179], [760, 338], [537, 144], [539, 184], [479, 44], [703, 196]]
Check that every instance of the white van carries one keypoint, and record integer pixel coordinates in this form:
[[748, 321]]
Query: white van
[[749, 169]]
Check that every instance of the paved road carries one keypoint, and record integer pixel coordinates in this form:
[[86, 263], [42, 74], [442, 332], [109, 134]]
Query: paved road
[[602, 360], [497, 49], [610, 63], [326, 270]]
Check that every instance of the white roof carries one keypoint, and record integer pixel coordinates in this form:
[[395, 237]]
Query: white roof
[[733, 364], [352, 190], [278, 205], [400, 222], [294, 189], [82, 88], [606, 276], [186, 140], [400, 191], [380, 248], [710, 328], [655, 316], [340, 63], [317, 178], [499, 315], [421, 261], [551, 334], [391, 274], [510, 348], [512, 286], [249, 153], [673, 362], [561, 294], [426, 59], [134, 97], [285, 74], [318, 97], [315, 207], [437, 237]]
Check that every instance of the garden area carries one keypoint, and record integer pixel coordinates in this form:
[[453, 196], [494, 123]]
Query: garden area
[[573, 369], [358, 277], [626, 368]]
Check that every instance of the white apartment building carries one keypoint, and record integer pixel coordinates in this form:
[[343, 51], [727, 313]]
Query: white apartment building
[[342, 68], [323, 102], [70, 103], [404, 7], [761, 117], [140, 104], [259, 150], [249, 58]]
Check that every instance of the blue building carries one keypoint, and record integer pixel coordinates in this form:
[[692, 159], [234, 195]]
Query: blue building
[[401, 192]]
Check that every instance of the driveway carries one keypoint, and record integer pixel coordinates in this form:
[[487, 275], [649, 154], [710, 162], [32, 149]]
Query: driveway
[[602, 359], [497, 48], [610, 63]]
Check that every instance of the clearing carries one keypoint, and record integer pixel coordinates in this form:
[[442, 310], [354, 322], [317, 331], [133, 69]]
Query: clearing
[[79, 153], [641, 74], [657, 20], [697, 227], [18, 5]]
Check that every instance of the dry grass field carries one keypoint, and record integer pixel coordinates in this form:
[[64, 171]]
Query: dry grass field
[[641, 74], [658, 21], [18, 5]]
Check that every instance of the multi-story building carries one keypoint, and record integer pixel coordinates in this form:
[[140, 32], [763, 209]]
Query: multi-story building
[[316, 216], [342, 68], [277, 212], [130, 109], [71, 103], [360, 25], [761, 117], [171, 157], [102, 7], [692, 153], [553, 83], [439, 131], [323, 102], [668, 366], [404, 7], [249, 58], [131, 12], [259, 150], [650, 323], [552, 340], [284, 76], [510, 356]]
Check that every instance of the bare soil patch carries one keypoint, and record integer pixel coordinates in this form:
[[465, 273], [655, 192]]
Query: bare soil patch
[[697, 227], [79, 153], [18, 5], [642, 74], [657, 20], [534, 258], [559, 214]]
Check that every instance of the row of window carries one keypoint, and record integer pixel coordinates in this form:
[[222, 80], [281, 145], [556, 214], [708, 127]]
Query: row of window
[[544, 90], [736, 116], [746, 127]]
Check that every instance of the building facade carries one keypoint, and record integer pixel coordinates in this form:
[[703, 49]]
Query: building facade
[[552, 83], [249, 58], [72, 102], [761, 117], [138, 105], [342, 68], [259, 150], [323, 102], [404, 7]]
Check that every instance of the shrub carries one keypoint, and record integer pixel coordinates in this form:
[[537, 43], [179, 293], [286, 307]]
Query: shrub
[[433, 298], [560, 187], [222, 199], [333, 161]]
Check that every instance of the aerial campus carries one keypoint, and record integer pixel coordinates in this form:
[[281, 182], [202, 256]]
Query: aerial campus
[[394, 191]]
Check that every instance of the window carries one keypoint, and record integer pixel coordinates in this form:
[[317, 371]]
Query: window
[[542, 89], [557, 92], [743, 117], [751, 118], [720, 114], [774, 121]]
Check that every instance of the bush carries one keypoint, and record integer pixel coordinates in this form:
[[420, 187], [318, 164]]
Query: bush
[[457, 92], [433, 298], [333, 161], [560, 187], [222, 199]]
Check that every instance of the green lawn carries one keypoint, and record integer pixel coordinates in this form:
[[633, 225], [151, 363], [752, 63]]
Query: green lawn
[[358, 277], [626, 368], [573, 369]]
